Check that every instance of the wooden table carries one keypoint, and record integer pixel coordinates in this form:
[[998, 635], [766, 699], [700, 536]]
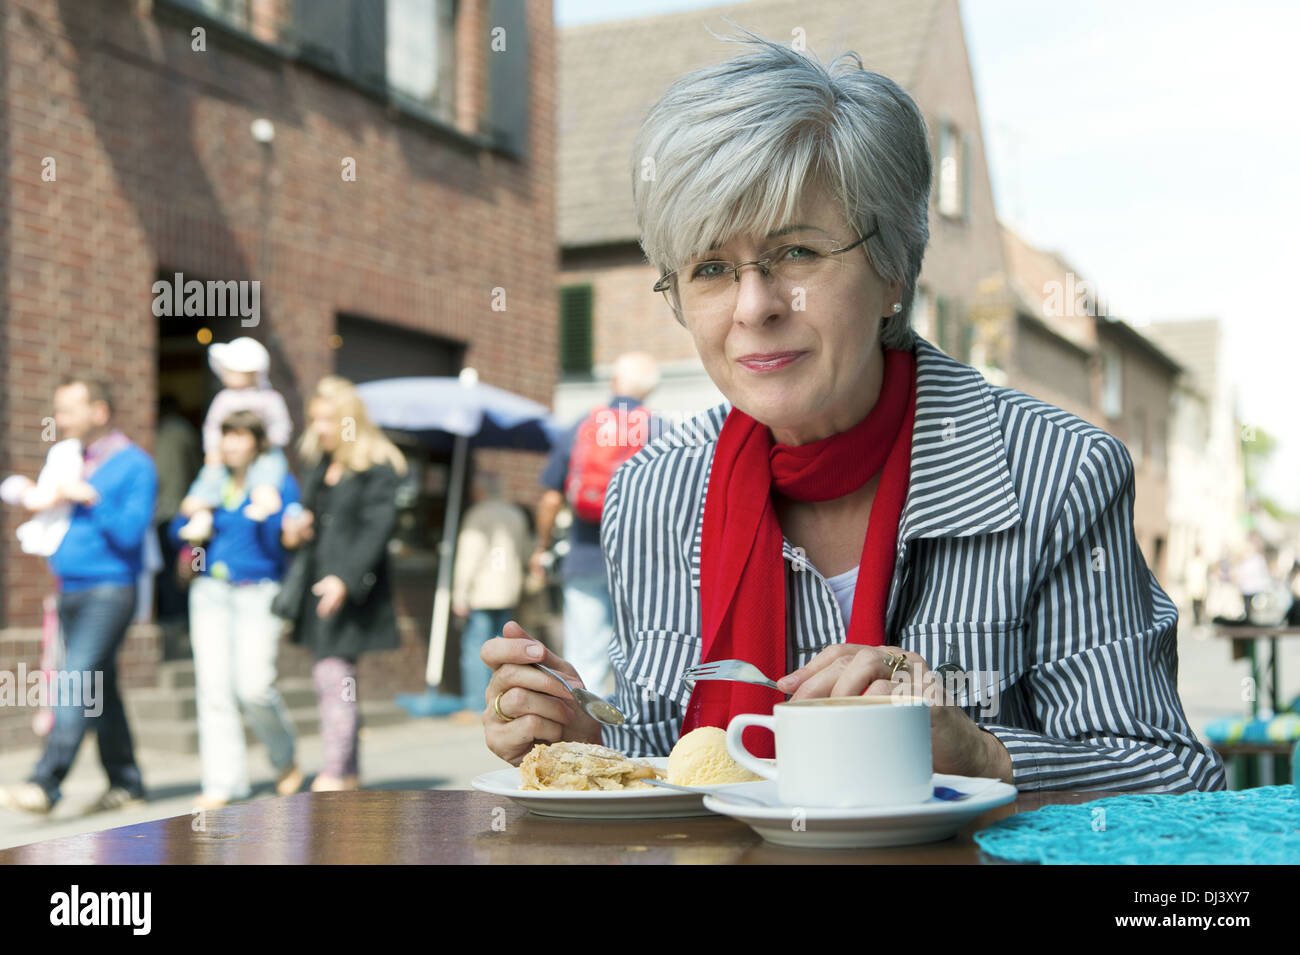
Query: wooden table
[[1268, 681], [467, 826], [1270, 675]]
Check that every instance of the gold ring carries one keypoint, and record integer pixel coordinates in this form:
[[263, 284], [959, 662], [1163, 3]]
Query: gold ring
[[496, 705], [896, 663]]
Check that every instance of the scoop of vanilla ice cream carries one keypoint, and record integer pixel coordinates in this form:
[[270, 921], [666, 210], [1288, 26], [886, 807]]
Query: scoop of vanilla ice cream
[[700, 758]]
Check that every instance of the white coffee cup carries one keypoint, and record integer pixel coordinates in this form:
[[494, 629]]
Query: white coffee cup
[[844, 751]]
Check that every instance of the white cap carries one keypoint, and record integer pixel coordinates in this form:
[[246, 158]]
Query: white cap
[[242, 354]]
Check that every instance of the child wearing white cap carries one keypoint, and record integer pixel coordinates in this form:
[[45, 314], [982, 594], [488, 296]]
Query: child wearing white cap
[[242, 366], [50, 520]]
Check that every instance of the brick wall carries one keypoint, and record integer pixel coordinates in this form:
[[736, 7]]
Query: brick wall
[[1047, 368], [137, 666], [155, 168], [961, 254]]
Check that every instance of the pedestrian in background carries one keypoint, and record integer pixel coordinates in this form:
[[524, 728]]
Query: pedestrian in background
[[234, 634], [178, 455], [1198, 576], [577, 472], [340, 597], [96, 564], [492, 550]]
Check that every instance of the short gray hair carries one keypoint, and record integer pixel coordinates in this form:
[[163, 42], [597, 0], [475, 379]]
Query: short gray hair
[[731, 147]]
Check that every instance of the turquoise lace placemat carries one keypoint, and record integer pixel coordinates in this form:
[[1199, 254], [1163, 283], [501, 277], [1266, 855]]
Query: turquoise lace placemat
[[1248, 826]]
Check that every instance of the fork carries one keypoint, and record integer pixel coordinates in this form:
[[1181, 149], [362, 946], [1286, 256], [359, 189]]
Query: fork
[[736, 670]]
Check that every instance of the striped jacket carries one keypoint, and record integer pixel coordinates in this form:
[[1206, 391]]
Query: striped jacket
[[1016, 561]]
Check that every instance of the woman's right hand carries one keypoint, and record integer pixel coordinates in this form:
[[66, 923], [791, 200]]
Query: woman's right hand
[[540, 710]]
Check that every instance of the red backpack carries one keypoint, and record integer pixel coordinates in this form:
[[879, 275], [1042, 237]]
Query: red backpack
[[607, 438]]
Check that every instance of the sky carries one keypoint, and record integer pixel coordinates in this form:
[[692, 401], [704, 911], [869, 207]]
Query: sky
[[1154, 144]]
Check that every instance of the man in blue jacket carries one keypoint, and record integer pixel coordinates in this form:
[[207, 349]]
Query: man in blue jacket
[[96, 566]]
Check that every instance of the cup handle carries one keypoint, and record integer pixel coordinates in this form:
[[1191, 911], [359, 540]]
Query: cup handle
[[735, 747]]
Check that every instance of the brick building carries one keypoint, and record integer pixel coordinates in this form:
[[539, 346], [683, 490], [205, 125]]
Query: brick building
[[399, 221], [1053, 337]]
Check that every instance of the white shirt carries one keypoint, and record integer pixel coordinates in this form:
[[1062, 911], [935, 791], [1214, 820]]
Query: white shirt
[[842, 587]]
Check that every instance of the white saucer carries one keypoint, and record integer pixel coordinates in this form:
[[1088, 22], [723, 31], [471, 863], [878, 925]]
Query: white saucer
[[866, 827], [610, 804]]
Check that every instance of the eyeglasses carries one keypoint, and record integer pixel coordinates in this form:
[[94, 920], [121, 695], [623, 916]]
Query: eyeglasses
[[707, 288]]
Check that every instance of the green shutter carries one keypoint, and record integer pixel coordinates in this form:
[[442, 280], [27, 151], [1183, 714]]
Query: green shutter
[[575, 329]]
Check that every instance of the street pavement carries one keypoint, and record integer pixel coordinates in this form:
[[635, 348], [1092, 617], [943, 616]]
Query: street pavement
[[438, 754]]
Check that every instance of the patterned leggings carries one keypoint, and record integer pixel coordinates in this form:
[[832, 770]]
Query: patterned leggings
[[336, 692]]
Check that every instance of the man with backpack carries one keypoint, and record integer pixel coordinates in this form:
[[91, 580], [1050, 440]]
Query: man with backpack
[[577, 473]]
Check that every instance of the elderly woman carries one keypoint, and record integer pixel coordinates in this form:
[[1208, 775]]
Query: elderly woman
[[862, 510]]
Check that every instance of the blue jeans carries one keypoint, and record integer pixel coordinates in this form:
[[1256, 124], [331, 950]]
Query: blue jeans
[[588, 629], [481, 627], [94, 625]]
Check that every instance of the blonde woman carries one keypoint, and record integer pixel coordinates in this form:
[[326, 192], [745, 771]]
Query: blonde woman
[[344, 606]]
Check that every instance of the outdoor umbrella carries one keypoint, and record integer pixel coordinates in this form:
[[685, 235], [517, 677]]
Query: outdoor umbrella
[[457, 413]]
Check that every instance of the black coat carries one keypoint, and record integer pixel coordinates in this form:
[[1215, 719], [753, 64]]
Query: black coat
[[352, 529]]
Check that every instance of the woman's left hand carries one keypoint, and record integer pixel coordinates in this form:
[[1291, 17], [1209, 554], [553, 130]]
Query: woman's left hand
[[959, 746], [331, 591]]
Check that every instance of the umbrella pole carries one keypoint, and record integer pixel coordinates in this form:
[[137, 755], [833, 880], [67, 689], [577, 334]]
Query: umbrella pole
[[446, 551]]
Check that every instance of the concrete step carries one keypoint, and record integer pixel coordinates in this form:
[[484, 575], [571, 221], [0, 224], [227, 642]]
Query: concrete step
[[159, 703], [182, 736], [176, 674]]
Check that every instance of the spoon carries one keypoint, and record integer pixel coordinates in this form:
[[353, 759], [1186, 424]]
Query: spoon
[[724, 796], [942, 793], [597, 708]]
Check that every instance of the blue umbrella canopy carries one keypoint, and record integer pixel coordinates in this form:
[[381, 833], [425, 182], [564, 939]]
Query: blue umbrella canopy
[[456, 414], [438, 409]]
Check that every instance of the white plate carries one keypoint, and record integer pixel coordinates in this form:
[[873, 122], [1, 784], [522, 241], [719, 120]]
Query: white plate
[[607, 804], [869, 826]]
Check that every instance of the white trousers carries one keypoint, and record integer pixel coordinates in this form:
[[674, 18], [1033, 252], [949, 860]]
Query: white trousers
[[236, 639]]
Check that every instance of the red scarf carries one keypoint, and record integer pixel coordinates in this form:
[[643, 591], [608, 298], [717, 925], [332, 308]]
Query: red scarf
[[741, 565]]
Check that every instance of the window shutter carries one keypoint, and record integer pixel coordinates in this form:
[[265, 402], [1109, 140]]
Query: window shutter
[[509, 101], [575, 329], [345, 37], [323, 30], [370, 44]]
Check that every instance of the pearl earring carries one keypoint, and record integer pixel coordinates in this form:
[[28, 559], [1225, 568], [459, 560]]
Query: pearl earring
[[898, 307]]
